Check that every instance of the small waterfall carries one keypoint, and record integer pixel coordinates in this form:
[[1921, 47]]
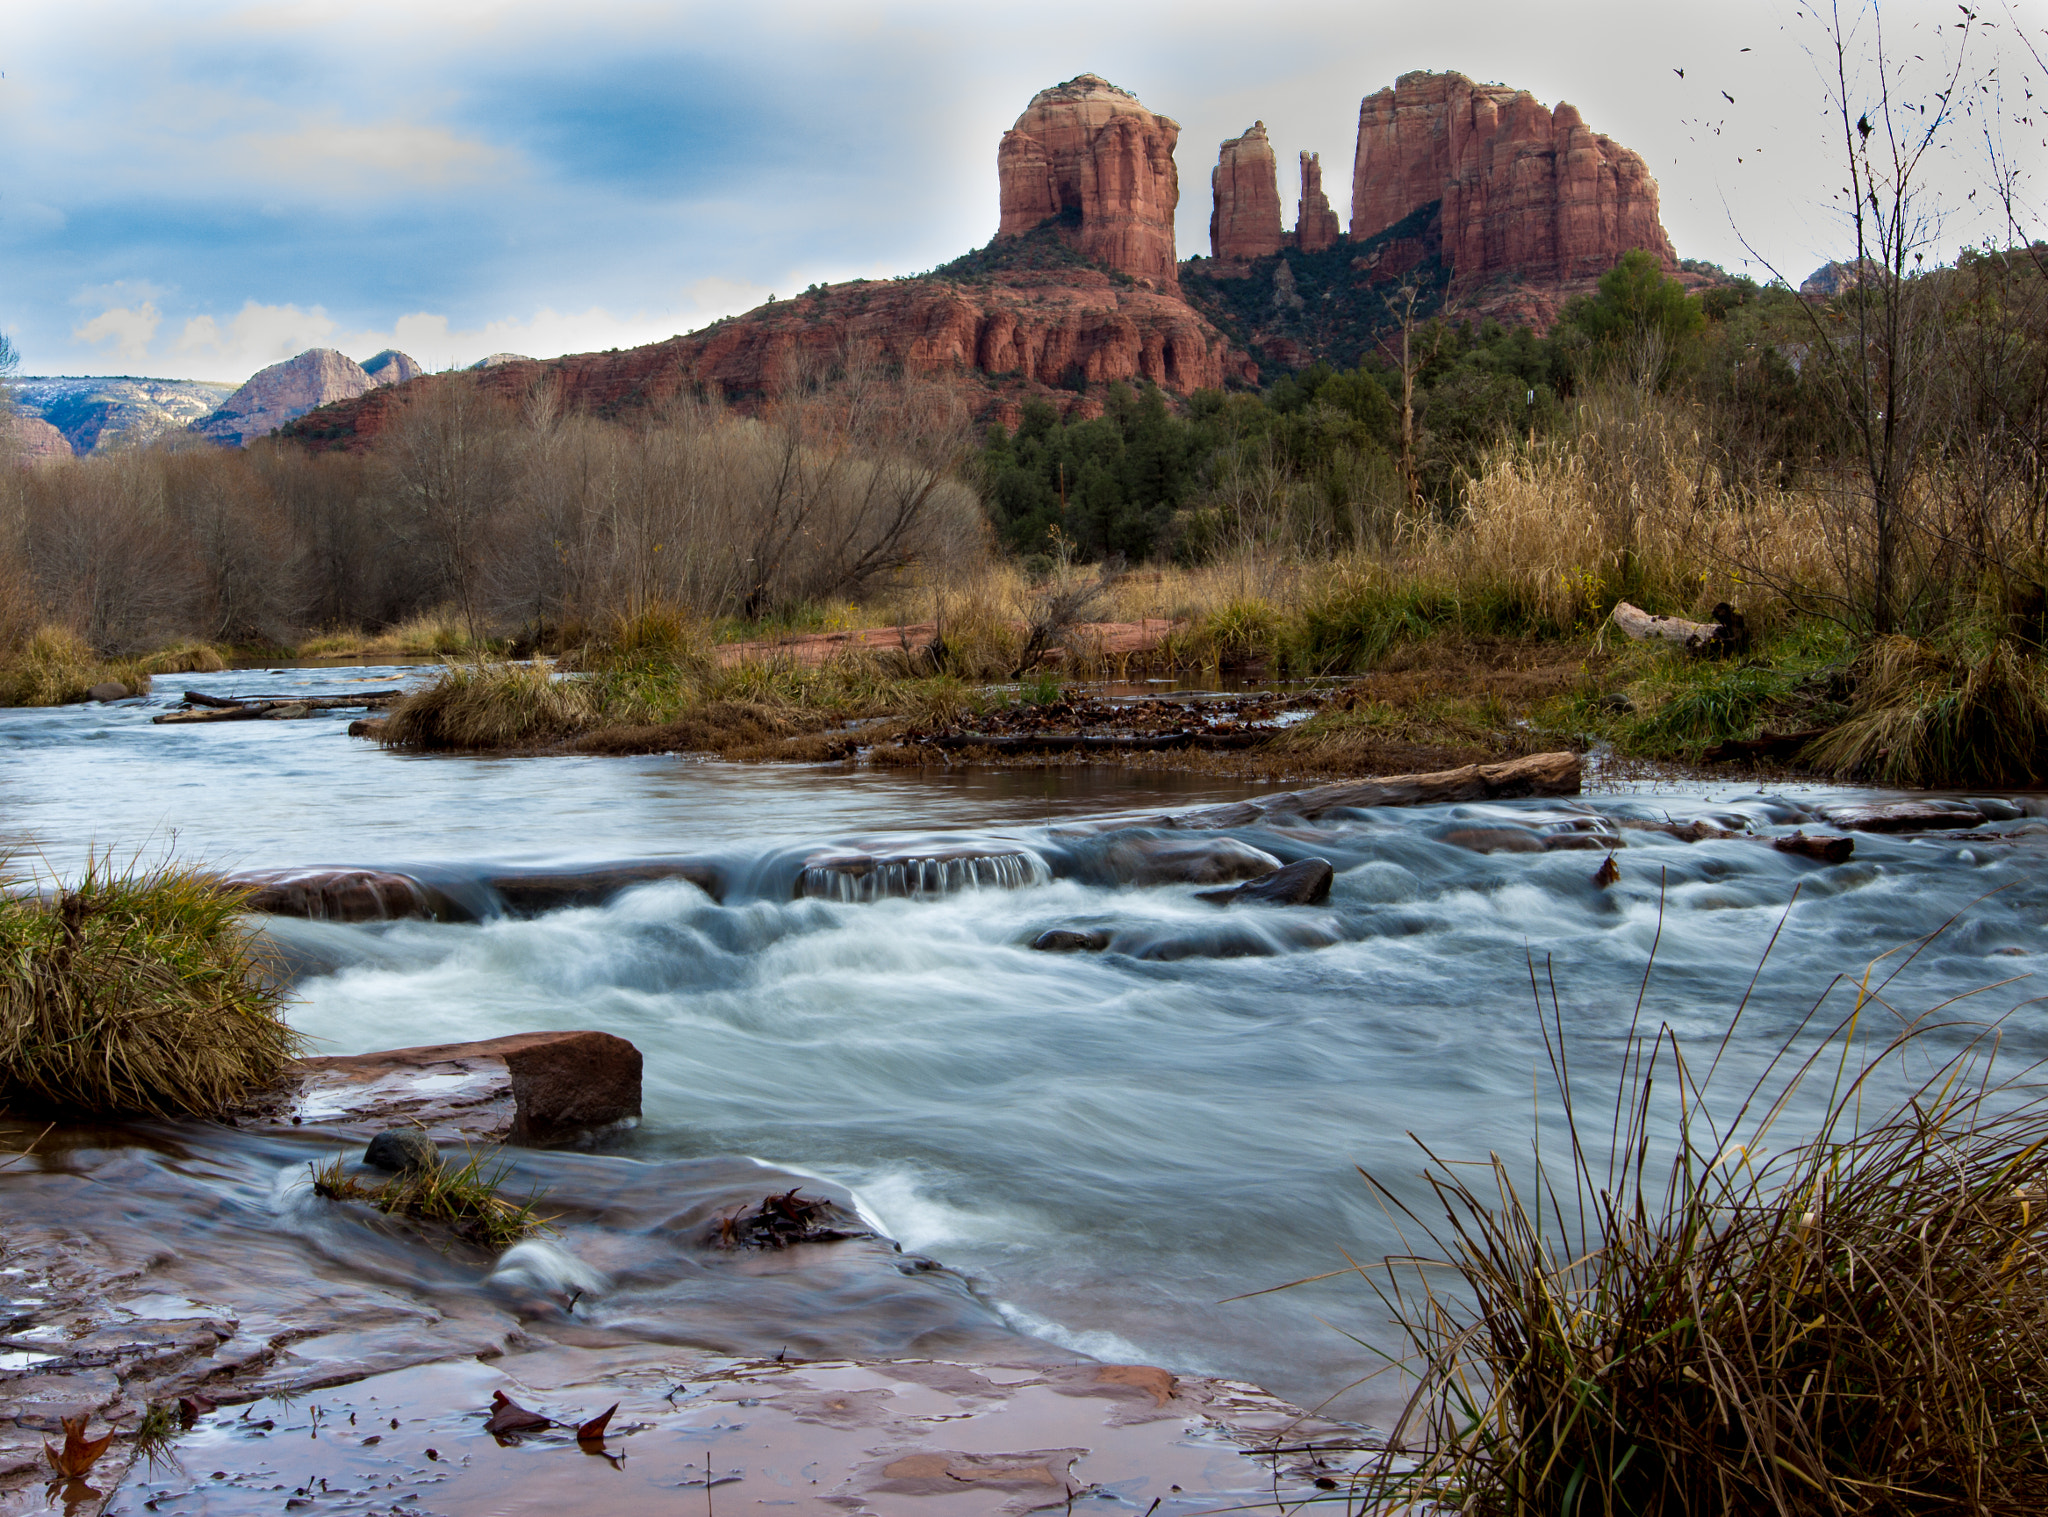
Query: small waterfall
[[868, 877]]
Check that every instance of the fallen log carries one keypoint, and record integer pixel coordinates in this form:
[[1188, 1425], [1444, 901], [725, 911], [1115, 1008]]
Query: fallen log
[[1694, 637], [1540, 774], [217, 710], [201, 698]]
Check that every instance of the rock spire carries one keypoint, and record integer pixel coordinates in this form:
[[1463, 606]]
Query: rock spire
[[1315, 224], [1091, 155], [1245, 223]]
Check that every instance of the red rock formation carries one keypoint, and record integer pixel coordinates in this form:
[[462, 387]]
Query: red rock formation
[[1037, 328], [1088, 148], [1245, 223], [30, 439], [283, 392], [1524, 190], [1315, 224]]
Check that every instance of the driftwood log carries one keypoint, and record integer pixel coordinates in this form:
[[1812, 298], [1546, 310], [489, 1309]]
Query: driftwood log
[[214, 708], [1725, 634], [1098, 742]]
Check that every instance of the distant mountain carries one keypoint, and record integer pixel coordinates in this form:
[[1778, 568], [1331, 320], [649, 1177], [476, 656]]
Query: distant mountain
[[498, 360], [286, 391], [93, 411], [392, 367]]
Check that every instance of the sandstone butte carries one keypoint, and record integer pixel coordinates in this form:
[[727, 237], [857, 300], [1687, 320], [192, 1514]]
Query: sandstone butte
[[1089, 151], [1525, 190], [1525, 193], [283, 392], [30, 439], [1245, 223]]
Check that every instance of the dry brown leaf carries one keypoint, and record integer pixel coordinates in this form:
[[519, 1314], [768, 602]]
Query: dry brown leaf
[[593, 1430], [1607, 873], [508, 1416], [79, 1453]]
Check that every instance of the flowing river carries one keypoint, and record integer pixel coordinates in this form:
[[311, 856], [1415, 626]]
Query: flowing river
[[1102, 1148]]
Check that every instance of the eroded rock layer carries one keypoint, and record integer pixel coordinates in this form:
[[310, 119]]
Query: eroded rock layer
[[1525, 190], [1245, 222], [1025, 328], [1090, 153]]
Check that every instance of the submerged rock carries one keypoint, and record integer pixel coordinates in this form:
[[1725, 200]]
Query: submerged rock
[[1306, 883], [1072, 940], [107, 690], [402, 1151], [536, 891], [1125, 860], [941, 871], [349, 895]]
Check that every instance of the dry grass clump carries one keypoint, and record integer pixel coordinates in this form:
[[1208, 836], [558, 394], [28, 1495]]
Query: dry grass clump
[[1925, 716], [135, 993], [184, 658], [462, 1198], [54, 666], [487, 707], [1856, 1321], [440, 633]]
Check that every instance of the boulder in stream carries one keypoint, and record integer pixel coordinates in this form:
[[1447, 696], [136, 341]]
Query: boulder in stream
[[531, 1087], [1072, 940], [1305, 883], [348, 895], [1175, 861], [402, 1151]]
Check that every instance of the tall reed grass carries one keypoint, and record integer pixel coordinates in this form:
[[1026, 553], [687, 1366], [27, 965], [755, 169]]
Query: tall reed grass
[[1713, 1301]]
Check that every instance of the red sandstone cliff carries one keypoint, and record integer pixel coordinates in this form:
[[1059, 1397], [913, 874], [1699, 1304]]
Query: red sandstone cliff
[[1002, 333], [1525, 190], [283, 392], [1315, 224], [1244, 187], [1089, 149]]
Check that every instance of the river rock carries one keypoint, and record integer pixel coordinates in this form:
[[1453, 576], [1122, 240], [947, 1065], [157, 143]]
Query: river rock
[[1179, 861], [1828, 850], [107, 690], [1305, 883], [1503, 839], [532, 893], [402, 1151], [348, 895], [529, 1087], [1904, 816], [1072, 940]]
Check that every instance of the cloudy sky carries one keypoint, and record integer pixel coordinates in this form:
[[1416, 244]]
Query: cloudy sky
[[196, 189]]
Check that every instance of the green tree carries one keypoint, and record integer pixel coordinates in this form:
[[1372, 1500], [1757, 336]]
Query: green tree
[[1641, 319]]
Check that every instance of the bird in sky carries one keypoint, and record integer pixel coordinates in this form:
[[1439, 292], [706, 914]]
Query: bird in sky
[[1727, 97], [1680, 72]]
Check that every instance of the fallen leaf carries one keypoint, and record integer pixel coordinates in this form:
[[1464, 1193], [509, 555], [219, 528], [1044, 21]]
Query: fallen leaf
[[508, 1416], [192, 1408], [1607, 873], [593, 1430], [79, 1453]]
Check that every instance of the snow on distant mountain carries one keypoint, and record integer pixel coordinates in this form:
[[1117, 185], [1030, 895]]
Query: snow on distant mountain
[[95, 410]]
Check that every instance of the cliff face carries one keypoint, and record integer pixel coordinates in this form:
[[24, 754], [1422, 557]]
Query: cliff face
[[1001, 335], [1089, 151], [30, 439], [1244, 186], [1525, 190], [1315, 224], [283, 392]]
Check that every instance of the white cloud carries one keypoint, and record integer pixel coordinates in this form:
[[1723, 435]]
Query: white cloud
[[256, 337], [128, 328]]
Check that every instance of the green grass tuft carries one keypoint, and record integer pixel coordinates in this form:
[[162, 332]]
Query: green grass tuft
[[1927, 716], [135, 993], [463, 1198]]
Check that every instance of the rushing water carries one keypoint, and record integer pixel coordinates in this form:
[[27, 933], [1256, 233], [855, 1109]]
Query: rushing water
[[1110, 1145]]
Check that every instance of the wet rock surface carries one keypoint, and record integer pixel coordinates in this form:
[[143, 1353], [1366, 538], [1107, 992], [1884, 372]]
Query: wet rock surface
[[400, 1151], [954, 1439], [528, 1087], [1304, 883]]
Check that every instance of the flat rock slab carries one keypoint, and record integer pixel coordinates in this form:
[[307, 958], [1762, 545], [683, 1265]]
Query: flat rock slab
[[1904, 816], [1305, 883], [529, 1087], [691, 1433], [349, 895]]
